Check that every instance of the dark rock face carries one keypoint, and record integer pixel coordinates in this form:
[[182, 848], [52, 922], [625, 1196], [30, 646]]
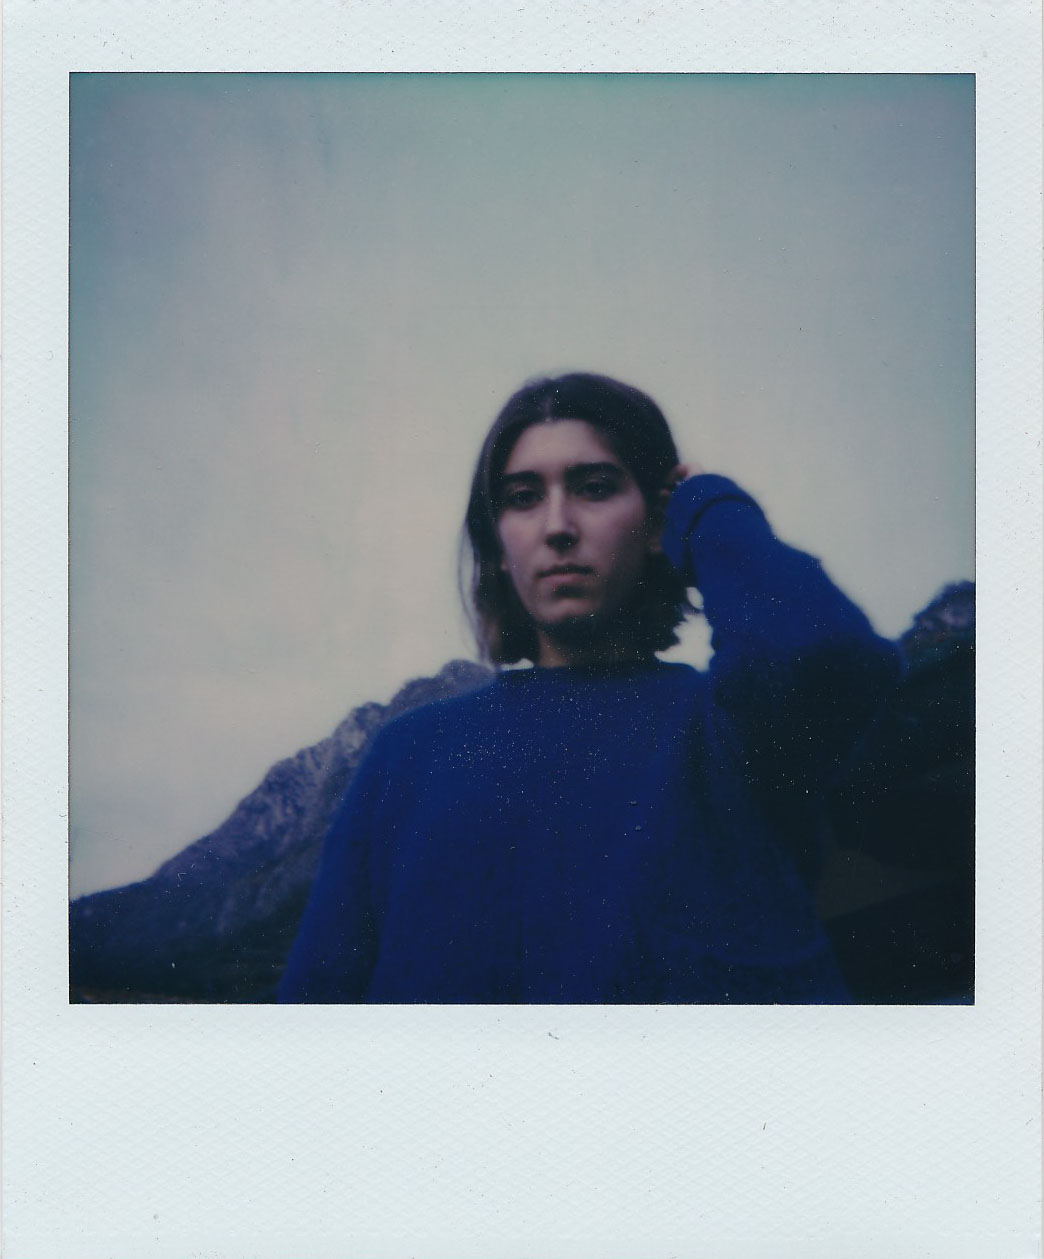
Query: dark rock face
[[216, 922], [908, 800]]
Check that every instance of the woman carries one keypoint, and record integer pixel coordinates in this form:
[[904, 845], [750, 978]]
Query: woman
[[604, 826]]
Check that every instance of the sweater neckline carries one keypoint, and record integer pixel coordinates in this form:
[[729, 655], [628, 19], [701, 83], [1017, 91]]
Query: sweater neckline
[[563, 674]]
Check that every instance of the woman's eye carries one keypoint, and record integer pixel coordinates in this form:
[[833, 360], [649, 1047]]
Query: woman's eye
[[597, 489], [520, 499]]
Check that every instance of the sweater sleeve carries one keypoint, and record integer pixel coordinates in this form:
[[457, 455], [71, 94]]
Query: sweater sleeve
[[797, 671], [333, 956]]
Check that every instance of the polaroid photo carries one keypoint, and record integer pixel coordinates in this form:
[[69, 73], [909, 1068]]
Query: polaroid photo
[[500, 757]]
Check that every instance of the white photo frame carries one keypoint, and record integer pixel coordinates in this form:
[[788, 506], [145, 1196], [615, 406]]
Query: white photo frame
[[262, 1131]]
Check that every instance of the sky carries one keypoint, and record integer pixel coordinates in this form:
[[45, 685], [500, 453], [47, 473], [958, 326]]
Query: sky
[[297, 302]]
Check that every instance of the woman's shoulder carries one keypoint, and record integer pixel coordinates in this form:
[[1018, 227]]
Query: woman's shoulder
[[680, 685], [418, 725], [678, 673]]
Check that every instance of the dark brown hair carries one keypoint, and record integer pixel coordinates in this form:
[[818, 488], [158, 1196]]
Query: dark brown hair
[[635, 428]]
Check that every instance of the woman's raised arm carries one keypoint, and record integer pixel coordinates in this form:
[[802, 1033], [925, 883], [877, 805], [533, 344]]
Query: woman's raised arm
[[798, 671]]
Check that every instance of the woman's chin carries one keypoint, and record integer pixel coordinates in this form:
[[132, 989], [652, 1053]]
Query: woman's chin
[[585, 637], [569, 623]]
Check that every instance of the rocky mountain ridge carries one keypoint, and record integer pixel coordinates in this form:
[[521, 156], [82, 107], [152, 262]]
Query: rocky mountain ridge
[[216, 922]]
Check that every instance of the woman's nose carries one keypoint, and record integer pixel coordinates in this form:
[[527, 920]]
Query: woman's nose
[[559, 521]]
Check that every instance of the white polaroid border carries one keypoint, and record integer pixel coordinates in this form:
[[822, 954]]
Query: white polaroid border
[[270, 1133]]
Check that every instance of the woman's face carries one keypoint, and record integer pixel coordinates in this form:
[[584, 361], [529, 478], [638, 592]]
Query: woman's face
[[575, 531]]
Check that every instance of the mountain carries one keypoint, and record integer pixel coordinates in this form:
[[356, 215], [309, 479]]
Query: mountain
[[216, 922], [903, 822]]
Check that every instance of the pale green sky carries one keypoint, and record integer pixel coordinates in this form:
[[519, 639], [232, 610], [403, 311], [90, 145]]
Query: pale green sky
[[298, 301]]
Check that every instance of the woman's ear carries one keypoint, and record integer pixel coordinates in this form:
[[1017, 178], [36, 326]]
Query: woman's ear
[[657, 516], [658, 509]]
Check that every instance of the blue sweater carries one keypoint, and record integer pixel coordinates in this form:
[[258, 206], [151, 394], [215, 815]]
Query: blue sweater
[[621, 833]]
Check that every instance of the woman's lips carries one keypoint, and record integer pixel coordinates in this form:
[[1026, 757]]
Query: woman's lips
[[567, 570]]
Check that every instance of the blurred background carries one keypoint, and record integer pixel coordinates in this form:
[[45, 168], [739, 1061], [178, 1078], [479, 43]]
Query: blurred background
[[297, 302]]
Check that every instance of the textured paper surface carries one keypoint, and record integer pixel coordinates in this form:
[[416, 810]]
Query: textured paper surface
[[265, 1132]]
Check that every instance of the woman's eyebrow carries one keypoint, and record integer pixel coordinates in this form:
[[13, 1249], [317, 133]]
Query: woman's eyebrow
[[509, 477], [574, 472], [578, 471]]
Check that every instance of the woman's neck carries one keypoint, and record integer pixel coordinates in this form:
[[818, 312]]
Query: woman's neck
[[557, 651]]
